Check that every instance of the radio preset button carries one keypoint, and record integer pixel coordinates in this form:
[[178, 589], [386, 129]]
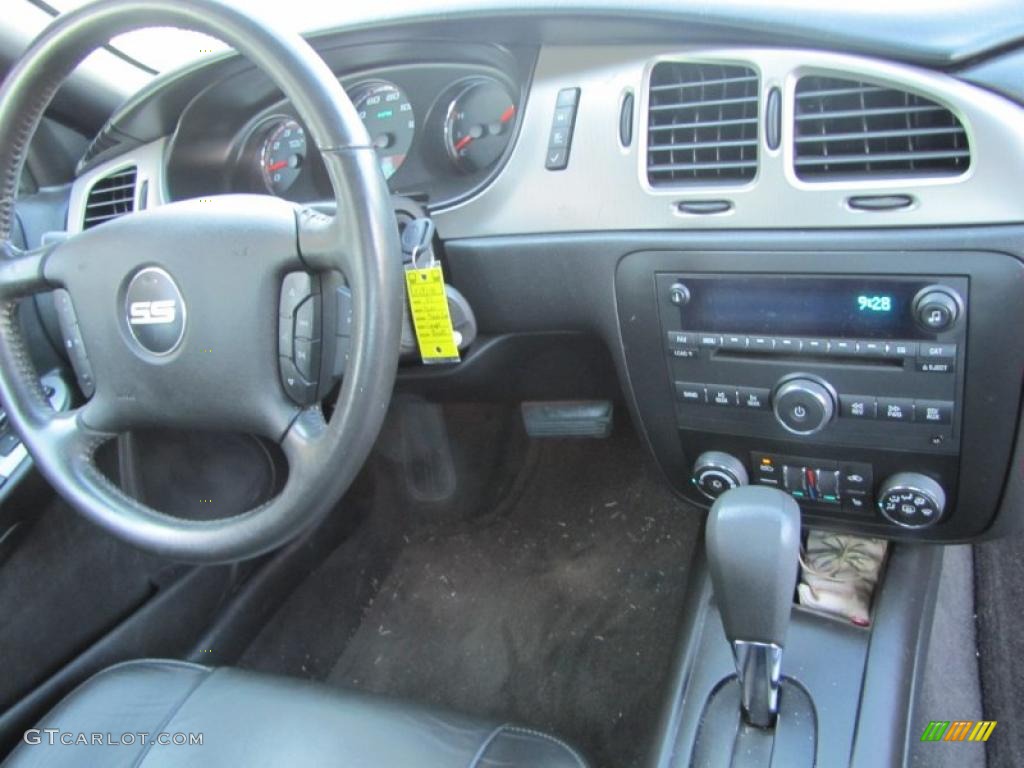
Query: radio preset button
[[815, 347], [787, 344], [871, 348], [719, 394], [734, 342], [709, 340], [895, 409], [857, 407], [762, 343], [754, 398], [842, 348]]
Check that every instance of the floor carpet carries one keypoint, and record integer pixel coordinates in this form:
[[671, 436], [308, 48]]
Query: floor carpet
[[553, 600], [999, 585]]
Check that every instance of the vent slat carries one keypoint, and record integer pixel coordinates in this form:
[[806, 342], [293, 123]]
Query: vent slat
[[703, 83], [660, 167], [894, 134], [110, 197], [702, 123], [852, 129], [679, 106], [705, 145], [860, 113], [892, 157], [708, 124]]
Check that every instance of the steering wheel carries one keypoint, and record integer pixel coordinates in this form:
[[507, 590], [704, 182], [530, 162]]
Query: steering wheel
[[227, 258]]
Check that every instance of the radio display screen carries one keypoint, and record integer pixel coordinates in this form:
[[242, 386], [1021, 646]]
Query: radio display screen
[[802, 306]]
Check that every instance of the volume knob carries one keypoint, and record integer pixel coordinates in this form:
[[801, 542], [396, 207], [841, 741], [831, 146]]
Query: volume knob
[[804, 406]]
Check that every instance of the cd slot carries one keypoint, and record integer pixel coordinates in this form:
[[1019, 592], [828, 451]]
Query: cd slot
[[741, 355]]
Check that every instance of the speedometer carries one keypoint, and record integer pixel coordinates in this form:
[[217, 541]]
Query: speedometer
[[387, 114], [283, 156]]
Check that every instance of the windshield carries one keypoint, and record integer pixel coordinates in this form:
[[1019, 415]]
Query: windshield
[[159, 49]]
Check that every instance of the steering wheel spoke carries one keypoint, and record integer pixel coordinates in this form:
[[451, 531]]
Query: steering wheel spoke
[[22, 273]]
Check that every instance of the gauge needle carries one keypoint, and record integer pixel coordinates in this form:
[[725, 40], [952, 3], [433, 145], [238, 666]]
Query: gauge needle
[[480, 130], [277, 166], [463, 142]]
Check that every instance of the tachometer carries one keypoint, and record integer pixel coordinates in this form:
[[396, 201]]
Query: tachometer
[[387, 114], [283, 156], [478, 125]]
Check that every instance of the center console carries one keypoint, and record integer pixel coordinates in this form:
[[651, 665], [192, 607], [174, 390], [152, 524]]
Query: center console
[[872, 387]]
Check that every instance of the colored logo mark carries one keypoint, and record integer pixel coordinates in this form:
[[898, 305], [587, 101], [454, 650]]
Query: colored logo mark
[[958, 730]]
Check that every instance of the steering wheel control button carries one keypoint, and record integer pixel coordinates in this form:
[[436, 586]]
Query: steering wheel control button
[[155, 311], [937, 308], [716, 472], [803, 406], [299, 342], [73, 343], [298, 388], [911, 500]]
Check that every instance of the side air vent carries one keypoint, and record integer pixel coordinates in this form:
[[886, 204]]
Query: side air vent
[[110, 197], [847, 129], [702, 123]]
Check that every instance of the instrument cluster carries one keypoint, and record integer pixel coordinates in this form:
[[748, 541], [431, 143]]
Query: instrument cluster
[[433, 142]]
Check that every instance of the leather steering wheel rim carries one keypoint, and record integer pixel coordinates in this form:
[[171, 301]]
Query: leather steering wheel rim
[[360, 240]]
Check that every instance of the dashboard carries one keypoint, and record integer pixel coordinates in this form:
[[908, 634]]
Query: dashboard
[[802, 262]]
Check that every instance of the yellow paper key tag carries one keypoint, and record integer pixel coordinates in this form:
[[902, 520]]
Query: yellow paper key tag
[[428, 304]]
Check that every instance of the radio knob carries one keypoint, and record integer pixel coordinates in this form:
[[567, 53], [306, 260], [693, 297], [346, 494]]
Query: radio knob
[[937, 308], [911, 500], [716, 472], [804, 406]]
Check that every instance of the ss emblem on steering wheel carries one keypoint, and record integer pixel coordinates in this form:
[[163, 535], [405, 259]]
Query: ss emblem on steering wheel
[[155, 311]]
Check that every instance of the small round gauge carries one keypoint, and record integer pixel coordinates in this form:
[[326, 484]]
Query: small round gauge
[[283, 156], [478, 125], [387, 114]]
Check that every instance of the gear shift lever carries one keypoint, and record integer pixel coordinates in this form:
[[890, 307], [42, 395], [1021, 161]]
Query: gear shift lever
[[753, 545]]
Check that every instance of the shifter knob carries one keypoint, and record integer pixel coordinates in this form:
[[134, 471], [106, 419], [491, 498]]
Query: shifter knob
[[753, 547]]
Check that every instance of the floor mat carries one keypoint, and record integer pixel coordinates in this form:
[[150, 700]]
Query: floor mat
[[555, 605], [999, 586]]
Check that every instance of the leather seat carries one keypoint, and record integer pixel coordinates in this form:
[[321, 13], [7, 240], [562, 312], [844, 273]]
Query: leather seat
[[256, 720]]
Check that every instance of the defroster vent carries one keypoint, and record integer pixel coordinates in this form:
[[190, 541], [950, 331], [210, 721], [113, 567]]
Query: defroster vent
[[848, 129], [110, 197], [702, 123]]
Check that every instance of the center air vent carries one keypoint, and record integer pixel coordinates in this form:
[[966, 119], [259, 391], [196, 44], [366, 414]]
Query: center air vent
[[110, 197], [702, 123], [851, 129]]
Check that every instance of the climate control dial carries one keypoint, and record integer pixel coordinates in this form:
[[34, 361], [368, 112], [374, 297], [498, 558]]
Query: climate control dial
[[911, 500], [716, 472]]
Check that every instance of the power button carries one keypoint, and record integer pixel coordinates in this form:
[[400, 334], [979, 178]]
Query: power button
[[803, 406]]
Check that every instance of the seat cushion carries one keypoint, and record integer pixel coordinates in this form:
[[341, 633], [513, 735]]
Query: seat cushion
[[245, 718]]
